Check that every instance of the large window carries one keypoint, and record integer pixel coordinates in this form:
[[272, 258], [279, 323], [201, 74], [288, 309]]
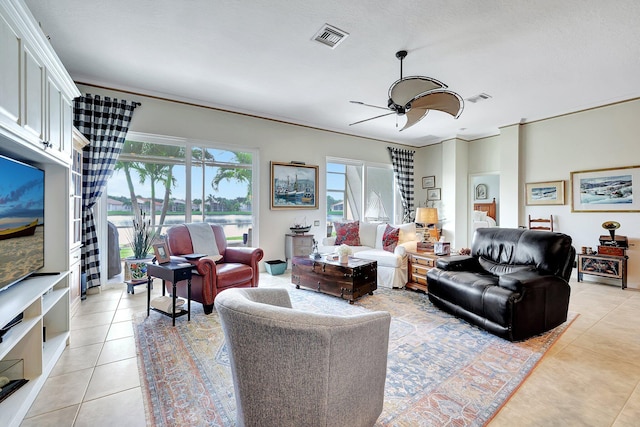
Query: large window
[[359, 190], [175, 181]]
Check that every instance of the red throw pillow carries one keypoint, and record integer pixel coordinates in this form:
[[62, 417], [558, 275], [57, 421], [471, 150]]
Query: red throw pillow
[[348, 233], [390, 238]]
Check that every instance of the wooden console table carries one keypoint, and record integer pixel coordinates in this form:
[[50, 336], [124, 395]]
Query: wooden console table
[[610, 266]]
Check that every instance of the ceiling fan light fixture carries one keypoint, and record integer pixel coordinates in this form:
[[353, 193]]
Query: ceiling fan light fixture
[[439, 100], [404, 90], [415, 96]]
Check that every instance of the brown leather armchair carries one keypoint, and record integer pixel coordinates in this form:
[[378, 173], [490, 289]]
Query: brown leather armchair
[[238, 267]]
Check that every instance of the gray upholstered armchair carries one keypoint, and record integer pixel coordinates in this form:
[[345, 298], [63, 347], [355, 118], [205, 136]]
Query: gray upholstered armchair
[[294, 368]]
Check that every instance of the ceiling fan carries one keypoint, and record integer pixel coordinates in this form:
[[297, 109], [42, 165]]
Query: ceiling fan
[[414, 96]]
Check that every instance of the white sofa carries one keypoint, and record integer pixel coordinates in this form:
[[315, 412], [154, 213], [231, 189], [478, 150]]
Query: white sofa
[[392, 266]]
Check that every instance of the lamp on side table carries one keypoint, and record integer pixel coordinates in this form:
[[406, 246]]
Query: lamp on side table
[[428, 217]]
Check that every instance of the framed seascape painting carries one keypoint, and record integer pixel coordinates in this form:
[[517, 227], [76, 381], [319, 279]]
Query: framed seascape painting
[[545, 193], [605, 190], [294, 186]]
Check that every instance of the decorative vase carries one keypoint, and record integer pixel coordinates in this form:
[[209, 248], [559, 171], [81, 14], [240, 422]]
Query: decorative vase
[[344, 259], [135, 269]]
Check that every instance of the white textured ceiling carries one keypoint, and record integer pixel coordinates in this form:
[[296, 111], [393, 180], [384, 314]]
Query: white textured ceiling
[[537, 59]]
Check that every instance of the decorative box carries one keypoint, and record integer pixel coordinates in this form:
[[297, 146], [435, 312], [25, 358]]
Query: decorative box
[[442, 248], [425, 246], [611, 250]]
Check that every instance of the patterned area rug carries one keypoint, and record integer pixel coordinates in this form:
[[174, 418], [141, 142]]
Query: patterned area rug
[[441, 370]]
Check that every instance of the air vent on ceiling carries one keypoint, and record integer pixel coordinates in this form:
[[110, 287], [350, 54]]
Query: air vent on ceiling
[[477, 98], [330, 36]]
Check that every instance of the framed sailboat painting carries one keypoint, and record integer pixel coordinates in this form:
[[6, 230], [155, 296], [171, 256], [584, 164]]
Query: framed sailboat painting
[[294, 186]]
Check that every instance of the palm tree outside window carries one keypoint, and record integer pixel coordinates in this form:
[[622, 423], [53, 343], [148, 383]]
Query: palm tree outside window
[[175, 181]]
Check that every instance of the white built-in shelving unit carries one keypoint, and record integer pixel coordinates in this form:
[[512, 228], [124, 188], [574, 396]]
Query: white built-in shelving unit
[[36, 94]]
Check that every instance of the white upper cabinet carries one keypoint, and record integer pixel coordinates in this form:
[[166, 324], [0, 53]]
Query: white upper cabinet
[[9, 73], [59, 120], [36, 92], [33, 96]]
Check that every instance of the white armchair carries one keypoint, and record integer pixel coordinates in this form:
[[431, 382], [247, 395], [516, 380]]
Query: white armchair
[[294, 368]]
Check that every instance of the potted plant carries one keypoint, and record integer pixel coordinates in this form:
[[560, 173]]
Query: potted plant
[[141, 242], [344, 251]]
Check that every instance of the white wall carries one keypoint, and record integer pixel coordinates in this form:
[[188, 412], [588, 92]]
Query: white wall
[[427, 162], [550, 150], [276, 141], [595, 139]]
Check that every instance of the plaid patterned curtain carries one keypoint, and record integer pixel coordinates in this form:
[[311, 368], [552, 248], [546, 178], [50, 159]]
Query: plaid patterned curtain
[[105, 123], [402, 161]]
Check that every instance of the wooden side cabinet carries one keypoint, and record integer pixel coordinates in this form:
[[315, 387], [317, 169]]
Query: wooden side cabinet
[[297, 245], [419, 264], [610, 266]]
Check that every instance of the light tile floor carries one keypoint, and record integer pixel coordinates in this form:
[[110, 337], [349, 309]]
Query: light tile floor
[[591, 377]]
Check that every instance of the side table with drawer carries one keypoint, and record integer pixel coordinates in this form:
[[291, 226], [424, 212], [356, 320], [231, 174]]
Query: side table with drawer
[[173, 272], [419, 263]]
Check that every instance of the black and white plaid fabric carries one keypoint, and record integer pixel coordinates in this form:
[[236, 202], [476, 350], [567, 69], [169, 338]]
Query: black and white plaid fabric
[[402, 161], [105, 123]]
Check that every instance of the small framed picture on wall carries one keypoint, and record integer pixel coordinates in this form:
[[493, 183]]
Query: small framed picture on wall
[[428, 181], [481, 192], [433, 194]]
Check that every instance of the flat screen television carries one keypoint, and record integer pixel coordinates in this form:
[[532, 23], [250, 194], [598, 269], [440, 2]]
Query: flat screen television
[[21, 221]]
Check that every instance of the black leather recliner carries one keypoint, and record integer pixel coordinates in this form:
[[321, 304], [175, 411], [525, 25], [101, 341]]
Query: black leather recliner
[[514, 284]]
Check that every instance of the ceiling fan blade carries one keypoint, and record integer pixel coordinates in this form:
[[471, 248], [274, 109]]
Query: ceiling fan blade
[[404, 90], [369, 105], [414, 116], [441, 100], [376, 117]]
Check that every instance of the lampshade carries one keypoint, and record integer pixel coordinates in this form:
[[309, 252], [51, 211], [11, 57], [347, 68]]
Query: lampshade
[[427, 215]]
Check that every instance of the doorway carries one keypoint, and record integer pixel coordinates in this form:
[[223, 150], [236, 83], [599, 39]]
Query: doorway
[[483, 189]]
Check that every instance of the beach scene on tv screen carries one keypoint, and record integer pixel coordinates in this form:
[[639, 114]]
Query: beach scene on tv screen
[[21, 220]]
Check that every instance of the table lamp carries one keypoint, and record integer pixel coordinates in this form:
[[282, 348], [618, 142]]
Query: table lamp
[[428, 217]]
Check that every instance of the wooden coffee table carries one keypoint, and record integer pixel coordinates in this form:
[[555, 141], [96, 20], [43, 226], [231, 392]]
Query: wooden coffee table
[[349, 281]]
